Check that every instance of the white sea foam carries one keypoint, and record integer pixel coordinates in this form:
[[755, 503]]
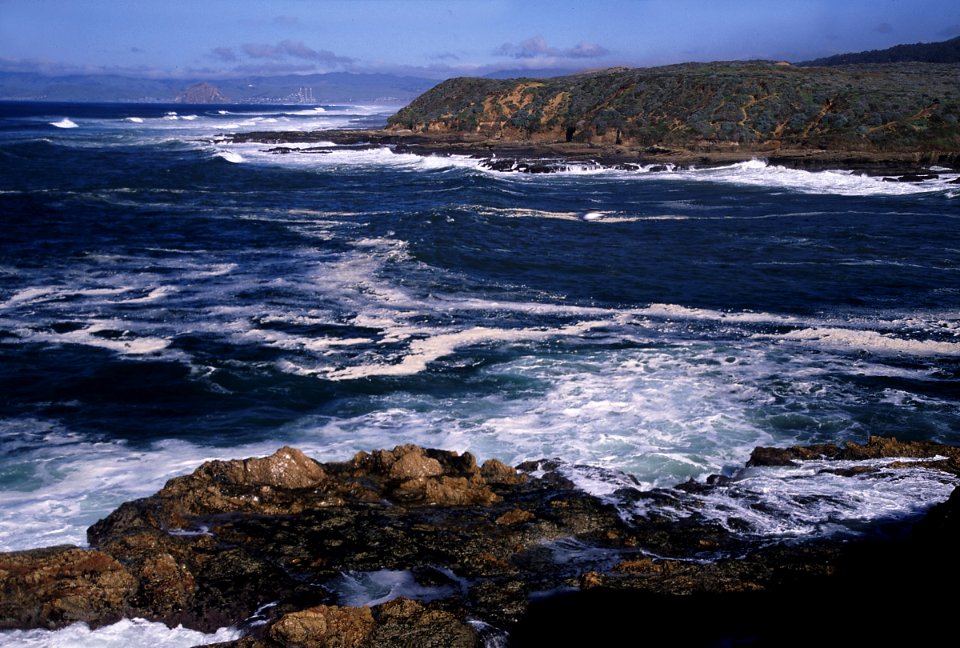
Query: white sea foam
[[866, 340], [230, 156], [356, 589], [134, 120], [753, 173], [424, 351], [812, 499], [27, 295], [309, 112], [58, 483], [119, 340], [66, 122], [661, 411], [834, 182], [127, 633], [154, 295]]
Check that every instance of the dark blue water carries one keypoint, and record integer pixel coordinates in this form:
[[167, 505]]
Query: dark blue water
[[166, 297]]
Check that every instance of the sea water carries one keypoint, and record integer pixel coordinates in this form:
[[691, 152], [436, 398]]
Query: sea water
[[168, 297]]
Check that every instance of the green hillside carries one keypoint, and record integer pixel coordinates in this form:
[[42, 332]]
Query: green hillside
[[907, 106]]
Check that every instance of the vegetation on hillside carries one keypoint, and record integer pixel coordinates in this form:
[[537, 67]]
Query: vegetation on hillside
[[905, 106], [942, 52]]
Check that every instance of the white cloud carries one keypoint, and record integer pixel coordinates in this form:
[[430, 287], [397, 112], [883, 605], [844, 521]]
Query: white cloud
[[537, 47]]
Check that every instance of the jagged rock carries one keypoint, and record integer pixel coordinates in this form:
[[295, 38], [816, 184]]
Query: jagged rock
[[166, 585], [495, 471], [50, 588], [324, 627], [516, 516], [213, 547], [400, 623], [414, 465], [403, 622], [285, 468]]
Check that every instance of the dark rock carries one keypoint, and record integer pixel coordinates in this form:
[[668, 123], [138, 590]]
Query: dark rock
[[875, 448], [530, 555]]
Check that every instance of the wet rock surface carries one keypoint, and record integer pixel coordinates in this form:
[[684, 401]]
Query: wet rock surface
[[269, 543]]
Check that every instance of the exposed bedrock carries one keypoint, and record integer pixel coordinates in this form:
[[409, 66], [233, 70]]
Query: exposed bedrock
[[273, 544]]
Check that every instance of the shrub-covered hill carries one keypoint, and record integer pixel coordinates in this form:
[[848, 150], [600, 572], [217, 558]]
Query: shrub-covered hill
[[942, 52], [707, 106]]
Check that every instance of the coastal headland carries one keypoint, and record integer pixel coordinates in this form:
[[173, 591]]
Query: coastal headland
[[473, 554], [899, 118]]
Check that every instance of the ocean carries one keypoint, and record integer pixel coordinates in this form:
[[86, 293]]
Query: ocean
[[168, 297]]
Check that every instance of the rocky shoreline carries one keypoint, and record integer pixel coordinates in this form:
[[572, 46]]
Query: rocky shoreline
[[546, 157], [482, 554]]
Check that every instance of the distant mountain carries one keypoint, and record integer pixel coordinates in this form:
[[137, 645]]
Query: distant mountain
[[337, 87], [942, 52], [202, 93], [334, 87], [706, 106], [26, 86]]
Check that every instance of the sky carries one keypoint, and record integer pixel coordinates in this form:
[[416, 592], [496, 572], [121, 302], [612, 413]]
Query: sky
[[442, 38]]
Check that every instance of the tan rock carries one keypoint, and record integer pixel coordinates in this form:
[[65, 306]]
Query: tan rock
[[413, 465], [495, 471], [285, 468], [642, 566], [516, 516], [404, 622], [50, 588], [324, 626], [166, 584], [458, 491], [590, 579]]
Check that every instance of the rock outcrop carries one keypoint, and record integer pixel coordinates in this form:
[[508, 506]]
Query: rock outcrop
[[202, 93], [268, 544], [709, 107], [49, 588]]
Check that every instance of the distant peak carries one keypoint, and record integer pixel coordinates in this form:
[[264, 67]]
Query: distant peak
[[202, 93]]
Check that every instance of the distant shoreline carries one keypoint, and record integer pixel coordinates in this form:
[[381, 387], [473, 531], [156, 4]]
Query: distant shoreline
[[904, 164]]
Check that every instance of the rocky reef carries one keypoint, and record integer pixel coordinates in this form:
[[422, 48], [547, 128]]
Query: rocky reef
[[484, 553]]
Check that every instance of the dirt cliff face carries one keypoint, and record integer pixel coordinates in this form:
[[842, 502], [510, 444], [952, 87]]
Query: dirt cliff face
[[907, 106]]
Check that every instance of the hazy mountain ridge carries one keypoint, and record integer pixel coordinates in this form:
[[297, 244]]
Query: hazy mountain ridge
[[940, 52], [334, 87], [707, 106]]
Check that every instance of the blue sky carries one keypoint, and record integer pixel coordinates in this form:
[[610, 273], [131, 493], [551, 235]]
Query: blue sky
[[441, 38]]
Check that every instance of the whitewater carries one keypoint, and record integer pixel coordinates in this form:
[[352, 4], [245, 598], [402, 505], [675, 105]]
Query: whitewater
[[169, 297]]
